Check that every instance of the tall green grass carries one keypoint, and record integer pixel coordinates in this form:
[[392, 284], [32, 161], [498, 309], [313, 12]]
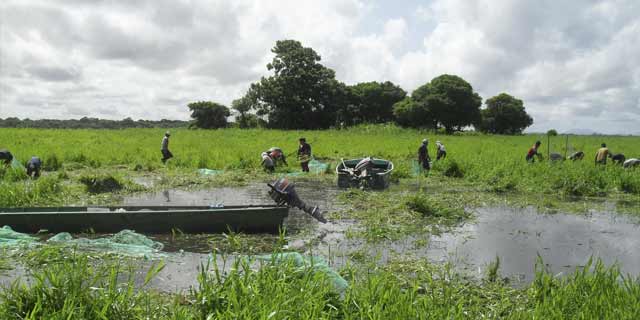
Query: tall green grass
[[77, 288], [495, 163]]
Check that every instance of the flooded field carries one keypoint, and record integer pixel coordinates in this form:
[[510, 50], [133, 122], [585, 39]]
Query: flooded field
[[515, 235]]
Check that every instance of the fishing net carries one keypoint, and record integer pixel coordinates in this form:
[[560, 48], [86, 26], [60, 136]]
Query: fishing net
[[210, 172], [8, 237], [16, 164], [315, 167], [125, 242], [317, 265], [416, 168]]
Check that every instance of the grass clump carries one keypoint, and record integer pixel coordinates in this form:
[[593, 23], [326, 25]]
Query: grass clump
[[453, 169], [429, 207], [595, 292], [45, 190], [629, 183], [76, 289], [101, 183], [52, 163], [107, 182]]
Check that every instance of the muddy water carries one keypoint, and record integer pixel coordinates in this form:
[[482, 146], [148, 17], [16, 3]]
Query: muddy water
[[517, 236]]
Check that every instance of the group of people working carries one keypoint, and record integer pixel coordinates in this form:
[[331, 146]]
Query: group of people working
[[33, 166], [423, 154], [274, 155], [600, 159], [270, 158]]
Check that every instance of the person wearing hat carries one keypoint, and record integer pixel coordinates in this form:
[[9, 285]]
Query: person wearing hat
[[602, 154], [533, 151], [304, 154], [423, 155], [166, 154], [441, 151]]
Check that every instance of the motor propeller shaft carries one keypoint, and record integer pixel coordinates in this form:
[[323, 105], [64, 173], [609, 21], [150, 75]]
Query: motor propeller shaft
[[283, 193]]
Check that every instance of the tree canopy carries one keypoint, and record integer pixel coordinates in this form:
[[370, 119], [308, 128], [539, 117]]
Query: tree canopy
[[371, 102], [410, 113], [447, 101], [209, 115], [90, 123], [301, 93], [504, 114]]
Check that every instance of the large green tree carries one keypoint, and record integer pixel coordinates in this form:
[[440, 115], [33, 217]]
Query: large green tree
[[504, 114], [209, 115], [371, 102], [410, 113], [450, 102], [301, 93]]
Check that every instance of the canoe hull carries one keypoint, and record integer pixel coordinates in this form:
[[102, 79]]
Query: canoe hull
[[259, 219]]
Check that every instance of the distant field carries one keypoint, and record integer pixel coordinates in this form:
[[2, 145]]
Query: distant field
[[496, 162]]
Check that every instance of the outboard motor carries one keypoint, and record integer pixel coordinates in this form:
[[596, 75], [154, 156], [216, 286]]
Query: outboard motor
[[283, 192]]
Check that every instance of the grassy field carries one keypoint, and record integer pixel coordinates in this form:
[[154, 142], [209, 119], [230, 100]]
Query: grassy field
[[486, 163], [94, 166]]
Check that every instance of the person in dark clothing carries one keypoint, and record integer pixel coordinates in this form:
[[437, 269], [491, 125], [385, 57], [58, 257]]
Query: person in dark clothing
[[304, 154], [533, 151], [166, 154], [423, 155], [618, 158], [5, 157], [33, 167]]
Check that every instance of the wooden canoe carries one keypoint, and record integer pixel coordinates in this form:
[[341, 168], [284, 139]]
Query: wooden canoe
[[149, 219]]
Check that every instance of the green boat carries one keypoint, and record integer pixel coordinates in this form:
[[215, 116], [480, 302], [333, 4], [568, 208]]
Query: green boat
[[148, 219], [354, 173]]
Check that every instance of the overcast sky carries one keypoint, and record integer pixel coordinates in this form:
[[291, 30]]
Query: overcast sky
[[575, 63]]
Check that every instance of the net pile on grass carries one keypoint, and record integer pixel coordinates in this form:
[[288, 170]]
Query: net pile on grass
[[125, 242], [8, 237], [210, 172]]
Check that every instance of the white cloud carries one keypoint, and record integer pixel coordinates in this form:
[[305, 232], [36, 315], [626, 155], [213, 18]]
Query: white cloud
[[567, 60]]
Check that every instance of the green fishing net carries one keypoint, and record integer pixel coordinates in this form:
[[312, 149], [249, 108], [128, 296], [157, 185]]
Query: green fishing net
[[317, 265]]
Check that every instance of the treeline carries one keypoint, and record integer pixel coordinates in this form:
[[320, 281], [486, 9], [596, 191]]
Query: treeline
[[304, 94], [90, 123]]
